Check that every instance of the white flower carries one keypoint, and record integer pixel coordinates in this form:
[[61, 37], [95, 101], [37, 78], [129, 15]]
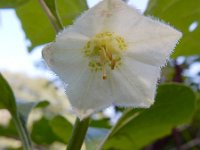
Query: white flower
[[111, 55]]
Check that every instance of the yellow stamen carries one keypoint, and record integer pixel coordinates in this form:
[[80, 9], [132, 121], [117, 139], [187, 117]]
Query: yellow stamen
[[104, 72], [113, 63], [109, 54], [104, 51]]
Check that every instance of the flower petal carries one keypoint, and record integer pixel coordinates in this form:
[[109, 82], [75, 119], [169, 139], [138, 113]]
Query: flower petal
[[65, 57], [89, 94], [151, 42], [108, 15], [91, 21], [135, 83], [119, 17]]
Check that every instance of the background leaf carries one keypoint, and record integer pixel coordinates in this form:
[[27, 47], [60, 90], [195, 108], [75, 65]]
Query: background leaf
[[62, 128], [174, 106], [36, 25], [181, 14], [42, 132], [51, 4], [196, 118], [9, 130], [101, 123], [12, 3], [7, 99]]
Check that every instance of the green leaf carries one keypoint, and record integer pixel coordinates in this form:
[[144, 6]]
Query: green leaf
[[174, 106], [7, 99], [62, 128], [9, 130], [196, 117], [36, 25], [42, 104], [51, 4], [1, 105], [42, 132], [101, 123], [12, 3], [49, 7], [181, 14]]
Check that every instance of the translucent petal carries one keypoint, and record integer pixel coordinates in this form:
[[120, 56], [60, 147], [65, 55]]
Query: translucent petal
[[151, 42], [134, 84], [91, 21], [90, 93], [108, 15], [65, 56], [120, 17]]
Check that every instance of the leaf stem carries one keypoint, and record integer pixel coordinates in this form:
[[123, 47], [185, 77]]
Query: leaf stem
[[78, 135], [22, 133], [53, 17]]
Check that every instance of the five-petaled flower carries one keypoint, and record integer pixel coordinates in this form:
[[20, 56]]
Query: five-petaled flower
[[112, 54]]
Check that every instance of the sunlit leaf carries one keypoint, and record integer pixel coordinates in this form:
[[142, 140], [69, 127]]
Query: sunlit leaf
[[36, 25], [12, 3]]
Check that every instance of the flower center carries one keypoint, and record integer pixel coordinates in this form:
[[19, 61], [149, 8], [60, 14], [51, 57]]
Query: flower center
[[104, 51]]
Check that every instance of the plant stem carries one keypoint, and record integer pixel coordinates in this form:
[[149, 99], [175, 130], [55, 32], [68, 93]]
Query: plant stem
[[53, 17], [78, 135], [22, 133]]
